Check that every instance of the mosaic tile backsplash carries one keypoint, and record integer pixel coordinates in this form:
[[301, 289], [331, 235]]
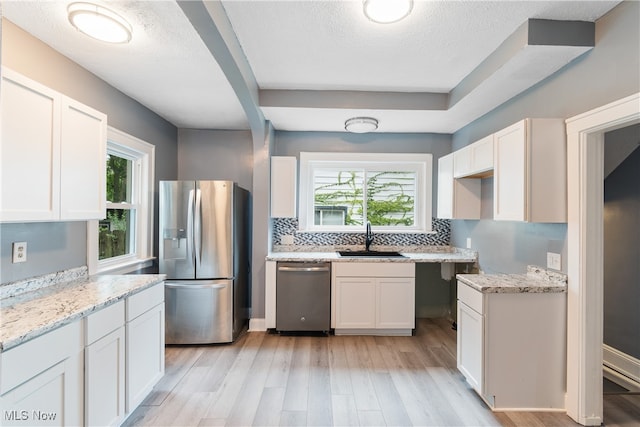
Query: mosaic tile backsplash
[[289, 226]]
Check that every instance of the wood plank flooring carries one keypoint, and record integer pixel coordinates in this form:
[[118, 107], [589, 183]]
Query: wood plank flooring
[[275, 380]]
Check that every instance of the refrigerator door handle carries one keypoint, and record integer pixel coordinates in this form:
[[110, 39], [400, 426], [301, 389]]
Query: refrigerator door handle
[[198, 227], [190, 286], [190, 234]]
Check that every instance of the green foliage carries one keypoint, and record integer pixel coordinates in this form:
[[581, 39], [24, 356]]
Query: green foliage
[[387, 202], [117, 178]]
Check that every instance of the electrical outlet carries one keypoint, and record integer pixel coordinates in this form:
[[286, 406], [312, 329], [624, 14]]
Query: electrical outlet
[[468, 242], [19, 252], [554, 261], [286, 239]]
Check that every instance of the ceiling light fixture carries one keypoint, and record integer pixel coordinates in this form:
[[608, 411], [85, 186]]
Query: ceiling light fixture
[[387, 11], [99, 22], [361, 124]]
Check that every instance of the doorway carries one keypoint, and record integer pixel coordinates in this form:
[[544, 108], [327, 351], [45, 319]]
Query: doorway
[[585, 190]]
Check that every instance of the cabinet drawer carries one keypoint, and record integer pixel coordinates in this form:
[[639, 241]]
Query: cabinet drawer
[[103, 322], [27, 360], [374, 269], [470, 297], [144, 301]]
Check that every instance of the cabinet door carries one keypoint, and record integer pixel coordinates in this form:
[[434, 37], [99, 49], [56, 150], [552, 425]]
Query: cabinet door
[[445, 187], [283, 187], [145, 355], [395, 303], [104, 380], [482, 155], [82, 159], [355, 303], [51, 398], [29, 150], [462, 162], [470, 346], [509, 183]]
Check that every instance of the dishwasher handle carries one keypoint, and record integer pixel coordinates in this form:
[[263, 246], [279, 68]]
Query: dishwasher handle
[[305, 269]]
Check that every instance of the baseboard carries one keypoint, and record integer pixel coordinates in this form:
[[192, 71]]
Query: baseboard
[[257, 325], [621, 368]]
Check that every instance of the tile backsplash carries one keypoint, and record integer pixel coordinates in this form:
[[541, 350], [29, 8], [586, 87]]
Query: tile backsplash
[[441, 236]]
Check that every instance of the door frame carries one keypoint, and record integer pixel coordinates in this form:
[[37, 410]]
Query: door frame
[[585, 270]]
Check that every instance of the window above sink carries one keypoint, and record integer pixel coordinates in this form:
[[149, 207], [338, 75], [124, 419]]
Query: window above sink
[[340, 192]]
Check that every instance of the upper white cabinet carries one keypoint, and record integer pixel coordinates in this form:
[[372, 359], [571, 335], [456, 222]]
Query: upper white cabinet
[[283, 187], [457, 198], [52, 149], [530, 175], [474, 160]]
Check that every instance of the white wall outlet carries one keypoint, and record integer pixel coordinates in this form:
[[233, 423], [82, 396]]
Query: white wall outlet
[[19, 252], [286, 239], [468, 242], [554, 261]]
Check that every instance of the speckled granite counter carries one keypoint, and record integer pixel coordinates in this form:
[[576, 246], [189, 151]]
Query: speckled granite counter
[[536, 280], [434, 254], [33, 307]]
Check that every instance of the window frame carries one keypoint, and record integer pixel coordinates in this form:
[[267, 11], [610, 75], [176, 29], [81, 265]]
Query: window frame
[[420, 163], [142, 155]]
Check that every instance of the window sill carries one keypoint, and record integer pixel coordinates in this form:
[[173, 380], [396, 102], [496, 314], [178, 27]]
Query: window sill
[[127, 266]]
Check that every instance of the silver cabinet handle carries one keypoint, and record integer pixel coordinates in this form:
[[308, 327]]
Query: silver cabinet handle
[[188, 286], [284, 268]]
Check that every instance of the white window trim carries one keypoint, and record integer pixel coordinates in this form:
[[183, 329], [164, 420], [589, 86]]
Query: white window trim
[[421, 163], [143, 255]]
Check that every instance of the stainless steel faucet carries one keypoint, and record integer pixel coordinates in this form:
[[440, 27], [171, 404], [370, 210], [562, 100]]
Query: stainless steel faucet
[[368, 237]]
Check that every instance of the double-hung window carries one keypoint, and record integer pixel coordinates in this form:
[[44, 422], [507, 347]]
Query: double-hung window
[[123, 240], [341, 192]]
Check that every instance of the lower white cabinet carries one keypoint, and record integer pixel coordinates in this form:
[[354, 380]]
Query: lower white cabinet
[[373, 298], [41, 380], [91, 372], [104, 374], [512, 347], [145, 344]]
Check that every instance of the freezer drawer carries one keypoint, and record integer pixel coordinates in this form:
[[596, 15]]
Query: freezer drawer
[[198, 312], [303, 292]]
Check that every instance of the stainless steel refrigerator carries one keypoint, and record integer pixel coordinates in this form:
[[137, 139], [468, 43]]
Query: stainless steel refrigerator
[[204, 251]]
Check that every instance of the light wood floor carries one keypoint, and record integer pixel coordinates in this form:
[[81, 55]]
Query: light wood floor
[[268, 380]]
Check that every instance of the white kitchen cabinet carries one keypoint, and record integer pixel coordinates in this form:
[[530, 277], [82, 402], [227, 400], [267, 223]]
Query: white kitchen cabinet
[[457, 198], [144, 344], [474, 160], [530, 172], [41, 381], [283, 187], [511, 347], [373, 298], [104, 375], [83, 148], [54, 150]]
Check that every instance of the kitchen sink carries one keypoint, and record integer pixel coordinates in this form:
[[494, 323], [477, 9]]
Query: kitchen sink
[[371, 254]]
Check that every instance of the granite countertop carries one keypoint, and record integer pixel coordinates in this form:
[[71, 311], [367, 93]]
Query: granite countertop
[[33, 307], [536, 280], [435, 254]]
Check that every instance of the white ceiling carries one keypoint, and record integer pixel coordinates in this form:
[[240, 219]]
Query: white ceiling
[[316, 45]]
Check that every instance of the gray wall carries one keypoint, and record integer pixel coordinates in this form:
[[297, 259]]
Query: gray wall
[[622, 253], [36, 60], [216, 154], [607, 73]]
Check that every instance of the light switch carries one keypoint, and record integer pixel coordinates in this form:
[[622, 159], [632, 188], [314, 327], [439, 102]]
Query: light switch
[[19, 252], [554, 261]]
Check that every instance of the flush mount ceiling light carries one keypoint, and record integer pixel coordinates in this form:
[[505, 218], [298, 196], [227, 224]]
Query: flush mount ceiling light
[[361, 124], [99, 22], [387, 11]]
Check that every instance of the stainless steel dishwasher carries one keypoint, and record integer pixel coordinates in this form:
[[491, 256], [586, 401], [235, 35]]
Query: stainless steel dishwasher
[[303, 296]]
